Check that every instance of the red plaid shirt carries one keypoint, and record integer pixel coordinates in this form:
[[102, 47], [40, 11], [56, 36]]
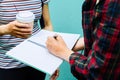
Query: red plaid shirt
[[101, 27]]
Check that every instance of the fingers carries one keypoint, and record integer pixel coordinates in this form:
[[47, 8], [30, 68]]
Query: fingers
[[23, 28], [55, 75], [50, 40], [21, 25], [60, 39], [22, 31], [19, 29], [55, 37], [54, 40], [20, 35]]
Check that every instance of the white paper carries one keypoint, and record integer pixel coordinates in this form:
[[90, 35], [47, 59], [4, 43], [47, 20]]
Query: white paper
[[39, 57]]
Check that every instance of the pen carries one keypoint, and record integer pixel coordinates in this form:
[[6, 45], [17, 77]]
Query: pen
[[55, 36], [41, 45]]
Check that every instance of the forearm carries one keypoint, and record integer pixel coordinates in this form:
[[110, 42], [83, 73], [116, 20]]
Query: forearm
[[79, 45], [46, 16], [67, 55], [3, 30]]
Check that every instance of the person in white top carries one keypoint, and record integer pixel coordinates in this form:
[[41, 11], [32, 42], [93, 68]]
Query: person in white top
[[13, 33]]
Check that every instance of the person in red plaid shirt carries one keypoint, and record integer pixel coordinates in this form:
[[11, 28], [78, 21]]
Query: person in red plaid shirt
[[101, 42]]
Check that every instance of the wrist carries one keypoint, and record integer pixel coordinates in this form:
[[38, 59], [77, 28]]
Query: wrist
[[3, 30], [67, 55], [48, 23], [48, 27]]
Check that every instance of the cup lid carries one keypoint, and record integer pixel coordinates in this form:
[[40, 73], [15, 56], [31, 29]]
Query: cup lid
[[25, 16]]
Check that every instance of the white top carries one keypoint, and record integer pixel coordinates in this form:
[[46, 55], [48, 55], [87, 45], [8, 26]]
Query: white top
[[8, 11]]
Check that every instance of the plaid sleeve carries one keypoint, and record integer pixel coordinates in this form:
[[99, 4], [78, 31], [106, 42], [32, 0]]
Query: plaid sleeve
[[45, 1], [105, 46], [77, 62]]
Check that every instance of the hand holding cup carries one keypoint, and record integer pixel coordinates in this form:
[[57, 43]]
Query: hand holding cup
[[22, 26]]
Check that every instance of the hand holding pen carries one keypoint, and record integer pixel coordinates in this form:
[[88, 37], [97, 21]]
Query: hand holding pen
[[58, 47]]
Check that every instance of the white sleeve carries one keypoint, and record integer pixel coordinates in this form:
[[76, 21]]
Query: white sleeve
[[45, 1]]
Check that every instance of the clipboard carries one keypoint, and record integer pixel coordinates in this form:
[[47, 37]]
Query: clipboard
[[33, 51]]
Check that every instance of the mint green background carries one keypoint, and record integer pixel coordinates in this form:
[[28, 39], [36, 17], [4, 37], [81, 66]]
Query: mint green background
[[66, 17]]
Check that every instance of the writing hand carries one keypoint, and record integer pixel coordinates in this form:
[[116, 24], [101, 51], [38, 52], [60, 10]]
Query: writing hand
[[58, 47]]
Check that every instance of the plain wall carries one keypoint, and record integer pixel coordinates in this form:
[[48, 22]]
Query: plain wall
[[66, 17]]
